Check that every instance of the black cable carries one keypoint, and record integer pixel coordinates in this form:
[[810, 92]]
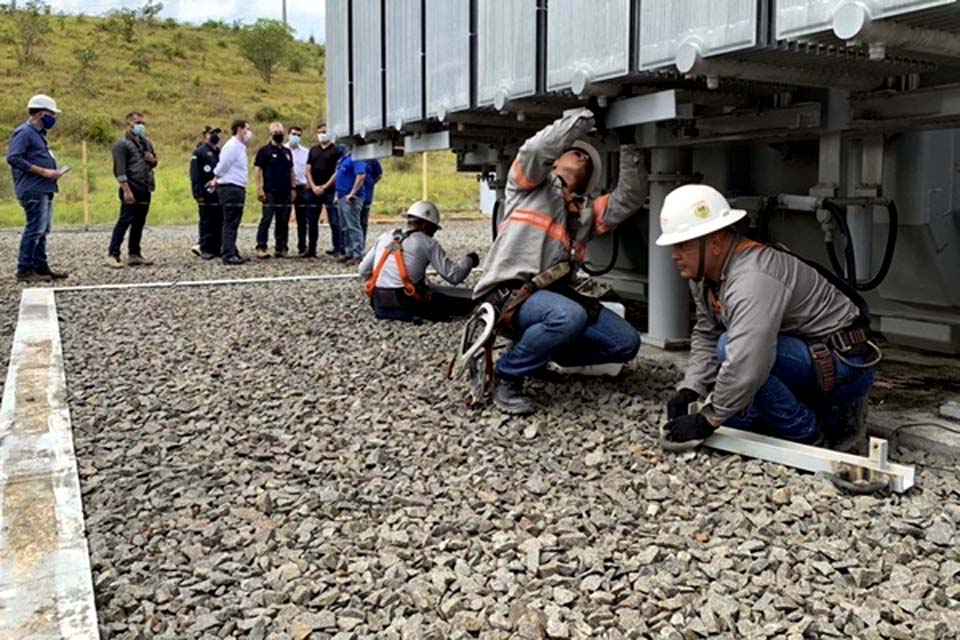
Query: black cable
[[495, 218], [894, 224], [613, 259], [851, 266]]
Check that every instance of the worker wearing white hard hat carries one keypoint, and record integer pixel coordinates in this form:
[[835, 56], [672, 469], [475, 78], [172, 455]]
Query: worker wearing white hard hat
[[395, 271], [553, 207], [35, 178], [780, 345]]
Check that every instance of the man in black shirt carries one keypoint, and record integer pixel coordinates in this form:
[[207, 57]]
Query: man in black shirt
[[276, 189], [321, 170], [204, 159], [133, 163]]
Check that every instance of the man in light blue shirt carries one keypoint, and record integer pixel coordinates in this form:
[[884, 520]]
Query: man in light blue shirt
[[232, 173], [349, 186], [35, 177]]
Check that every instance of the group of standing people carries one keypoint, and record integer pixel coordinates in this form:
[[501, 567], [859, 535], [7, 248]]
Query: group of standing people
[[313, 182], [310, 182]]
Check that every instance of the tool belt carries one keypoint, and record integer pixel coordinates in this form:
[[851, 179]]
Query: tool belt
[[843, 344], [508, 298]]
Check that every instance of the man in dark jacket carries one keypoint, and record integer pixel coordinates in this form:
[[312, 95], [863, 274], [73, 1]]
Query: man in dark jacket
[[204, 159], [133, 163]]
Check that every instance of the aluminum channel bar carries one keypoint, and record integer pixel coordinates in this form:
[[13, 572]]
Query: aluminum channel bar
[[439, 141], [808, 458], [373, 150], [654, 107]]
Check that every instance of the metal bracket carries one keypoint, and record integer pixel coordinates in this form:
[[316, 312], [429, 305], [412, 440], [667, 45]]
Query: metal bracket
[[373, 150], [899, 478], [653, 107], [439, 141]]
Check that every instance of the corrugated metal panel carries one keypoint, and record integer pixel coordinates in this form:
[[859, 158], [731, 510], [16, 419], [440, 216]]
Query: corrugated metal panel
[[715, 27], [448, 56], [798, 18], [506, 49], [587, 41], [367, 64], [404, 69], [338, 87]]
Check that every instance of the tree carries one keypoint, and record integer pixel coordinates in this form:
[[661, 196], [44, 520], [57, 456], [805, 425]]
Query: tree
[[30, 26], [265, 44]]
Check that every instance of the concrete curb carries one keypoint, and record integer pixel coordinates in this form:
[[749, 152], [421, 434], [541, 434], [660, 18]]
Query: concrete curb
[[46, 589]]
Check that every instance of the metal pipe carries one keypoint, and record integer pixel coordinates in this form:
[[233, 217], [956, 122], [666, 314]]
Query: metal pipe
[[668, 295], [854, 22]]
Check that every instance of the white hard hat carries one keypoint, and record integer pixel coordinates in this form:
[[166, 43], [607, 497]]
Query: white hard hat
[[693, 211], [596, 175], [41, 101], [425, 210]]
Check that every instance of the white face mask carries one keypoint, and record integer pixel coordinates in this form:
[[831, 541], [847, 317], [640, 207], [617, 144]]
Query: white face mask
[[247, 136], [323, 138]]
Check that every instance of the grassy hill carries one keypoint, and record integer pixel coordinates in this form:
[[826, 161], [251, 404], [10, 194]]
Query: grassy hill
[[181, 77]]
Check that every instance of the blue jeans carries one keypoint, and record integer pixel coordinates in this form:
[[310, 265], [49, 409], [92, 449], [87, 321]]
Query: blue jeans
[[38, 218], [555, 328], [333, 219], [788, 404], [350, 223]]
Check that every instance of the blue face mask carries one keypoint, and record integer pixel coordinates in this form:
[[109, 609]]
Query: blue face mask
[[295, 140], [48, 121], [139, 129]]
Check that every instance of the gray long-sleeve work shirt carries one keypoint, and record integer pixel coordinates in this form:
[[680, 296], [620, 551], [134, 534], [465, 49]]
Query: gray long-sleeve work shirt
[[419, 251], [763, 292]]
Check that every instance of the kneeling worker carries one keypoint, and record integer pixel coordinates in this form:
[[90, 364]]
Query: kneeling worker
[[395, 270], [541, 243], [780, 344]]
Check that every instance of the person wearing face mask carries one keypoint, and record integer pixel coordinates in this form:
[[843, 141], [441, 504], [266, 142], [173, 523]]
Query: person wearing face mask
[[276, 189], [35, 177], [321, 172], [134, 161], [202, 163], [549, 215], [307, 226], [230, 183]]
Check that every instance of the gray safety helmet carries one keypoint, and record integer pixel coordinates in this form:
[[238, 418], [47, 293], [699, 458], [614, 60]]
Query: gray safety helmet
[[596, 174], [425, 210]]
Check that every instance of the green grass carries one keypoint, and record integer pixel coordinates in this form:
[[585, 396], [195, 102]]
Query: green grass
[[195, 76]]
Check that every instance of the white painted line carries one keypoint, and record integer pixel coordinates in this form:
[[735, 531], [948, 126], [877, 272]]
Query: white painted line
[[46, 589], [203, 283], [809, 458]]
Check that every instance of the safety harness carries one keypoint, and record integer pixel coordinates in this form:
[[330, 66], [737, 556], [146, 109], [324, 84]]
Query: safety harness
[[395, 248]]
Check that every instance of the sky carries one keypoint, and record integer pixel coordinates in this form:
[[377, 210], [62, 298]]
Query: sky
[[306, 16]]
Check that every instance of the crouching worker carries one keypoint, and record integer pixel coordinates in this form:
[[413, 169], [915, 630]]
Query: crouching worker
[[548, 219], [780, 344], [395, 270]]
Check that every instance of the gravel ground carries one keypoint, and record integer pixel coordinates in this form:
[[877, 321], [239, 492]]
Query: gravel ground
[[268, 461]]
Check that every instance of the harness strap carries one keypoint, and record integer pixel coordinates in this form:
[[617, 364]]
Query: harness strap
[[396, 250]]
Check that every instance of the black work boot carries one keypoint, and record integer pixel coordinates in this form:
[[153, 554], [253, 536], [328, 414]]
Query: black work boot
[[851, 426], [54, 275], [509, 397], [32, 276]]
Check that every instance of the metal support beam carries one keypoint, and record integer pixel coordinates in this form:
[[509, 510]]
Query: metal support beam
[[653, 107], [439, 141], [668, 295], [801, 456], [373, 150], [830, 166], [935, 107]]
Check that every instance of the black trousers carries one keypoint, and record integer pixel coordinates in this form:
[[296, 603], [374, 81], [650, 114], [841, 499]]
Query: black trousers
[[276, 208], [211, 224], [232, 199], [307, 208], [132, 217], [442, 303]]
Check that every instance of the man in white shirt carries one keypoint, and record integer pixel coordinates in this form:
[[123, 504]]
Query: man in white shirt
[[307, 222], [230, 180]]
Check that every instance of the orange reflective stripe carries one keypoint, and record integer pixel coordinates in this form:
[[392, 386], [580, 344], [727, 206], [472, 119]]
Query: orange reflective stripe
[[747, 244], [520, 177], [543, 222], [372, 282], [599, 210]]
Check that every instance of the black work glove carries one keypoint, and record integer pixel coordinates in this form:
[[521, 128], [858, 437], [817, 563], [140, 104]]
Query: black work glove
[[679, 404], [689, 427], [474, 258]]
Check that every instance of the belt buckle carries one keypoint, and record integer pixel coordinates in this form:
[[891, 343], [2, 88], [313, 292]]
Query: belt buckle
[[840, 343]]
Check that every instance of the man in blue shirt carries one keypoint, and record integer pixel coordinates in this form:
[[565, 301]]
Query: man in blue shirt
[[349, 185], [35, 177], [374, 173]]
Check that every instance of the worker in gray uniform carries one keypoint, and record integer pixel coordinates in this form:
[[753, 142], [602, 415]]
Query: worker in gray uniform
[[549, 215], [395, 270], [780, 345]]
